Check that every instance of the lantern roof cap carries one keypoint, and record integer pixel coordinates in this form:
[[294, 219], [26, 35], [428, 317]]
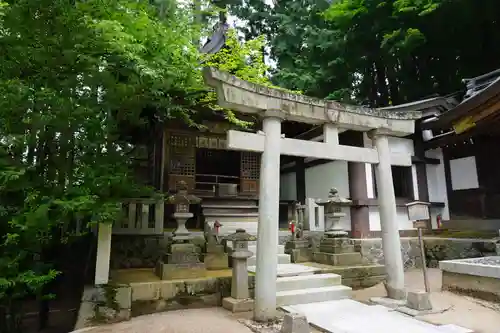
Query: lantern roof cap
[[182, 196], [241, 235], [413, 203], [334, 198]]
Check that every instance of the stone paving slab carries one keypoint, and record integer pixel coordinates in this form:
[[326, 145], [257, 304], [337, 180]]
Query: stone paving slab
[[348, 316], [291, 270]]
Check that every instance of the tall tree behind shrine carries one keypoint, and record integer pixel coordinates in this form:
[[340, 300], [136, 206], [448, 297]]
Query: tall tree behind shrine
[[375, 52]]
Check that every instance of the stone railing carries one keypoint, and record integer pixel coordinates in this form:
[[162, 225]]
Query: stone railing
[[142, 217]]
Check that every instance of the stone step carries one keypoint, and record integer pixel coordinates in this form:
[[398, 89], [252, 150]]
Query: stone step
[[307, 281], [253, 248], [355, 317], [291, 270], [312, 295], [282, 259]]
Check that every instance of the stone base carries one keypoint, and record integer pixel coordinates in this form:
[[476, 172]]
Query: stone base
[[415, 313], [388, 302], [215, 261], [418, 300], [180, 271], [300, 255], [483, 287], [237, 305], [396, 294], [296, 244], [295, 323], [338, 259]]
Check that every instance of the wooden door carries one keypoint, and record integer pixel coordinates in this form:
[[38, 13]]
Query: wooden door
[[250, 172]]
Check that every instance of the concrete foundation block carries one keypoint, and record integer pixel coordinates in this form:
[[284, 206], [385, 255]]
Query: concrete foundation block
[[215, 261], [300, 255], [237, 305], [295, 323], [418, 300], [124, 297], [180, 271]]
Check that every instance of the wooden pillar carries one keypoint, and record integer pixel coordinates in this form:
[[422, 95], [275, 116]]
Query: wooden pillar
[[418, 144], [358, 189], [300, 179]]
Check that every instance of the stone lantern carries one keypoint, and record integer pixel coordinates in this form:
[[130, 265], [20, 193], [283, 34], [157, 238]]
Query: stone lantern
[[182, 200], [240, 300], [333, 212]]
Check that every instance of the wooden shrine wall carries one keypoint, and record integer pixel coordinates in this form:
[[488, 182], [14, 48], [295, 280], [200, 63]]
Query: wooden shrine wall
[[180, 159]]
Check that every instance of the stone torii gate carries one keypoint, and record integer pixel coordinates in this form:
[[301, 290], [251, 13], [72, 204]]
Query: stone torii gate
[[274, 106]]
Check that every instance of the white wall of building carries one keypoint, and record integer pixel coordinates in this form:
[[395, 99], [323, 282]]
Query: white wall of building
[[321, 178], [396, 145], [436, 183]]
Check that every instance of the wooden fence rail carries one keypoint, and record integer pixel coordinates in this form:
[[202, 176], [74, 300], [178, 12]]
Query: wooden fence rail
[[142, 217]]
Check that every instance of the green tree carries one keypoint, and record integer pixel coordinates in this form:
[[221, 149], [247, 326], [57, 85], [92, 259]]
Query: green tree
[[73, 77], [376, 52]]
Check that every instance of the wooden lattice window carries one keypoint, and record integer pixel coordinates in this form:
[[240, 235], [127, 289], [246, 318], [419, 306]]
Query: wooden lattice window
[[182, 157], [250, 165]]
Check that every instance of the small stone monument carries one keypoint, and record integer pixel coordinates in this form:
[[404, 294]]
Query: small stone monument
[[240, 300], [333, 212], [182, 261], [335, 248], [215, 257], [182, 200]]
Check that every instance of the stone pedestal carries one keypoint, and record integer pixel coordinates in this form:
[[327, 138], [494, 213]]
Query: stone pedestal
[[299, 250], [295, 323], [240, 300], [181, 233], [337, 251], [216, 258], [182, 262]]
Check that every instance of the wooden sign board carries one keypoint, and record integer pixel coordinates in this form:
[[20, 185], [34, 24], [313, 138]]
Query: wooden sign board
[[420, 224]]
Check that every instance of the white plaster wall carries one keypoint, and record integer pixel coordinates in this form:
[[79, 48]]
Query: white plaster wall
[[436, 182], [396, 145], [401, 146], [464, 173], [288, 186], [321, 178], [402, 219]]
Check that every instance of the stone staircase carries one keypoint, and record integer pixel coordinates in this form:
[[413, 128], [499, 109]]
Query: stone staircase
[[252, 261], [300, 284], [303, 289], [232, 213], [282, 257]]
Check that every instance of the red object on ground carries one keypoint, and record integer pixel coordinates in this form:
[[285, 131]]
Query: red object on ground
[[439, 219], [217, 225], [292, 227]]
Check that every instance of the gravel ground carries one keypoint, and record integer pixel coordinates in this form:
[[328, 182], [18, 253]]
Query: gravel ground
[[211, 320], [477, 315]]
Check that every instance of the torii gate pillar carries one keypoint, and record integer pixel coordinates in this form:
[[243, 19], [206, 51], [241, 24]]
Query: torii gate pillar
[[391, 242], [268, 228]]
